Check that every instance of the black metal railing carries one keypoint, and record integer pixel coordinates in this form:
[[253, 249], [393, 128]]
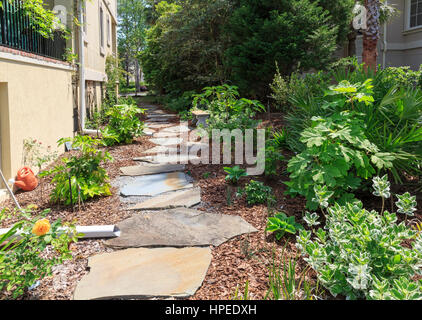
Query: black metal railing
[[17, 31]]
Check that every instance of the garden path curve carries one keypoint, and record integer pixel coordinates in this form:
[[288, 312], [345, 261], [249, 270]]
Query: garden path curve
[[165, 246]]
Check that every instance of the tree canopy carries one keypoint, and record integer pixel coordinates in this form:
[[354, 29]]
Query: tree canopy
[[197, 43]]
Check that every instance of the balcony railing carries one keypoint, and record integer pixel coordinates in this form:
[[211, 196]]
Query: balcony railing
[[16, 31]]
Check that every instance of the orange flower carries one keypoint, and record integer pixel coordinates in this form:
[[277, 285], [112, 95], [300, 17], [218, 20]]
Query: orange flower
[[41, 227]]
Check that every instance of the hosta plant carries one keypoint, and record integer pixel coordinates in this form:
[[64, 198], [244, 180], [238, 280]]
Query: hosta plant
[[365, 254], [234, 174], [281, 224], [23, 256], [81, 176], [124, 125]]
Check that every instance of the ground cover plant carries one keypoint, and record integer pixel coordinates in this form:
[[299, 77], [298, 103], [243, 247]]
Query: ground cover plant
[[361, 253], [81, 176]]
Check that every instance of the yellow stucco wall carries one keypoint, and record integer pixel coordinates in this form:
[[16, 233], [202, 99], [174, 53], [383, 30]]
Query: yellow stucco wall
[[36, 101], [95, 55]]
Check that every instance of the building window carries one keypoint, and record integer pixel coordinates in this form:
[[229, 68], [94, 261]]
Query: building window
[[415, 13], [108, 31], [101, 27]]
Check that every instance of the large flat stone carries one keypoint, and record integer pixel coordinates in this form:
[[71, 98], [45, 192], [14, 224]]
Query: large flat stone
[[164, 134], [160, 149], [151, 169], [157, 125], [153, 185], [177, 129], [163, 115], [159, 119], [183, 198], [166, 141], [137, 273], [178, 227], [168, 159], [156, 111], [149, 132]]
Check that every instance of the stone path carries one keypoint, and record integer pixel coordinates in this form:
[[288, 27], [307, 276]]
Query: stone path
[[163, 199]]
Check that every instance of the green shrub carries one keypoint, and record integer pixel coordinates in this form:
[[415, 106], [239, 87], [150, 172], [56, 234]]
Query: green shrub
[[361, 254], [227, 110], [281, 223], [124, 125], [280, 91], [185, 115], [389, 125], [273, 147], [126, 101], [23, 260], [113, 72], [258, 193], [402, 77], [338, 155], [81, 176], [181, 103]]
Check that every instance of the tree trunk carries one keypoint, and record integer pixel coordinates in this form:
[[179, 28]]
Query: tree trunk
[[127, 71], [371, 35], [137, 84]]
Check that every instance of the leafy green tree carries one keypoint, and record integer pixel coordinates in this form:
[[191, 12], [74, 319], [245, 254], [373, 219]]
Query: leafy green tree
[[186, 44], [292, 33], [131, 34], [192, 44]]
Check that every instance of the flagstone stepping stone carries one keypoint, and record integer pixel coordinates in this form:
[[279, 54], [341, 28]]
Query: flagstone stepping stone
[[177, 129], [161, 149], [166, 141], [164, 134], [153, 185], [157, 125], [180, 227], [183, 198], [159, 119], [162, 115], [149, 132], [156, 111], [191, 144], [151, 169], [136, 273], [148, 159], [171, 158]]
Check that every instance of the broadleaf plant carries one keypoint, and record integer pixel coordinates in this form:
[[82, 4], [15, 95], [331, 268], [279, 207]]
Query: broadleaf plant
[[281, 224]]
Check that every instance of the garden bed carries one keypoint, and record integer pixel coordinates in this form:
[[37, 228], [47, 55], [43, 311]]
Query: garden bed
[[244, 258]]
